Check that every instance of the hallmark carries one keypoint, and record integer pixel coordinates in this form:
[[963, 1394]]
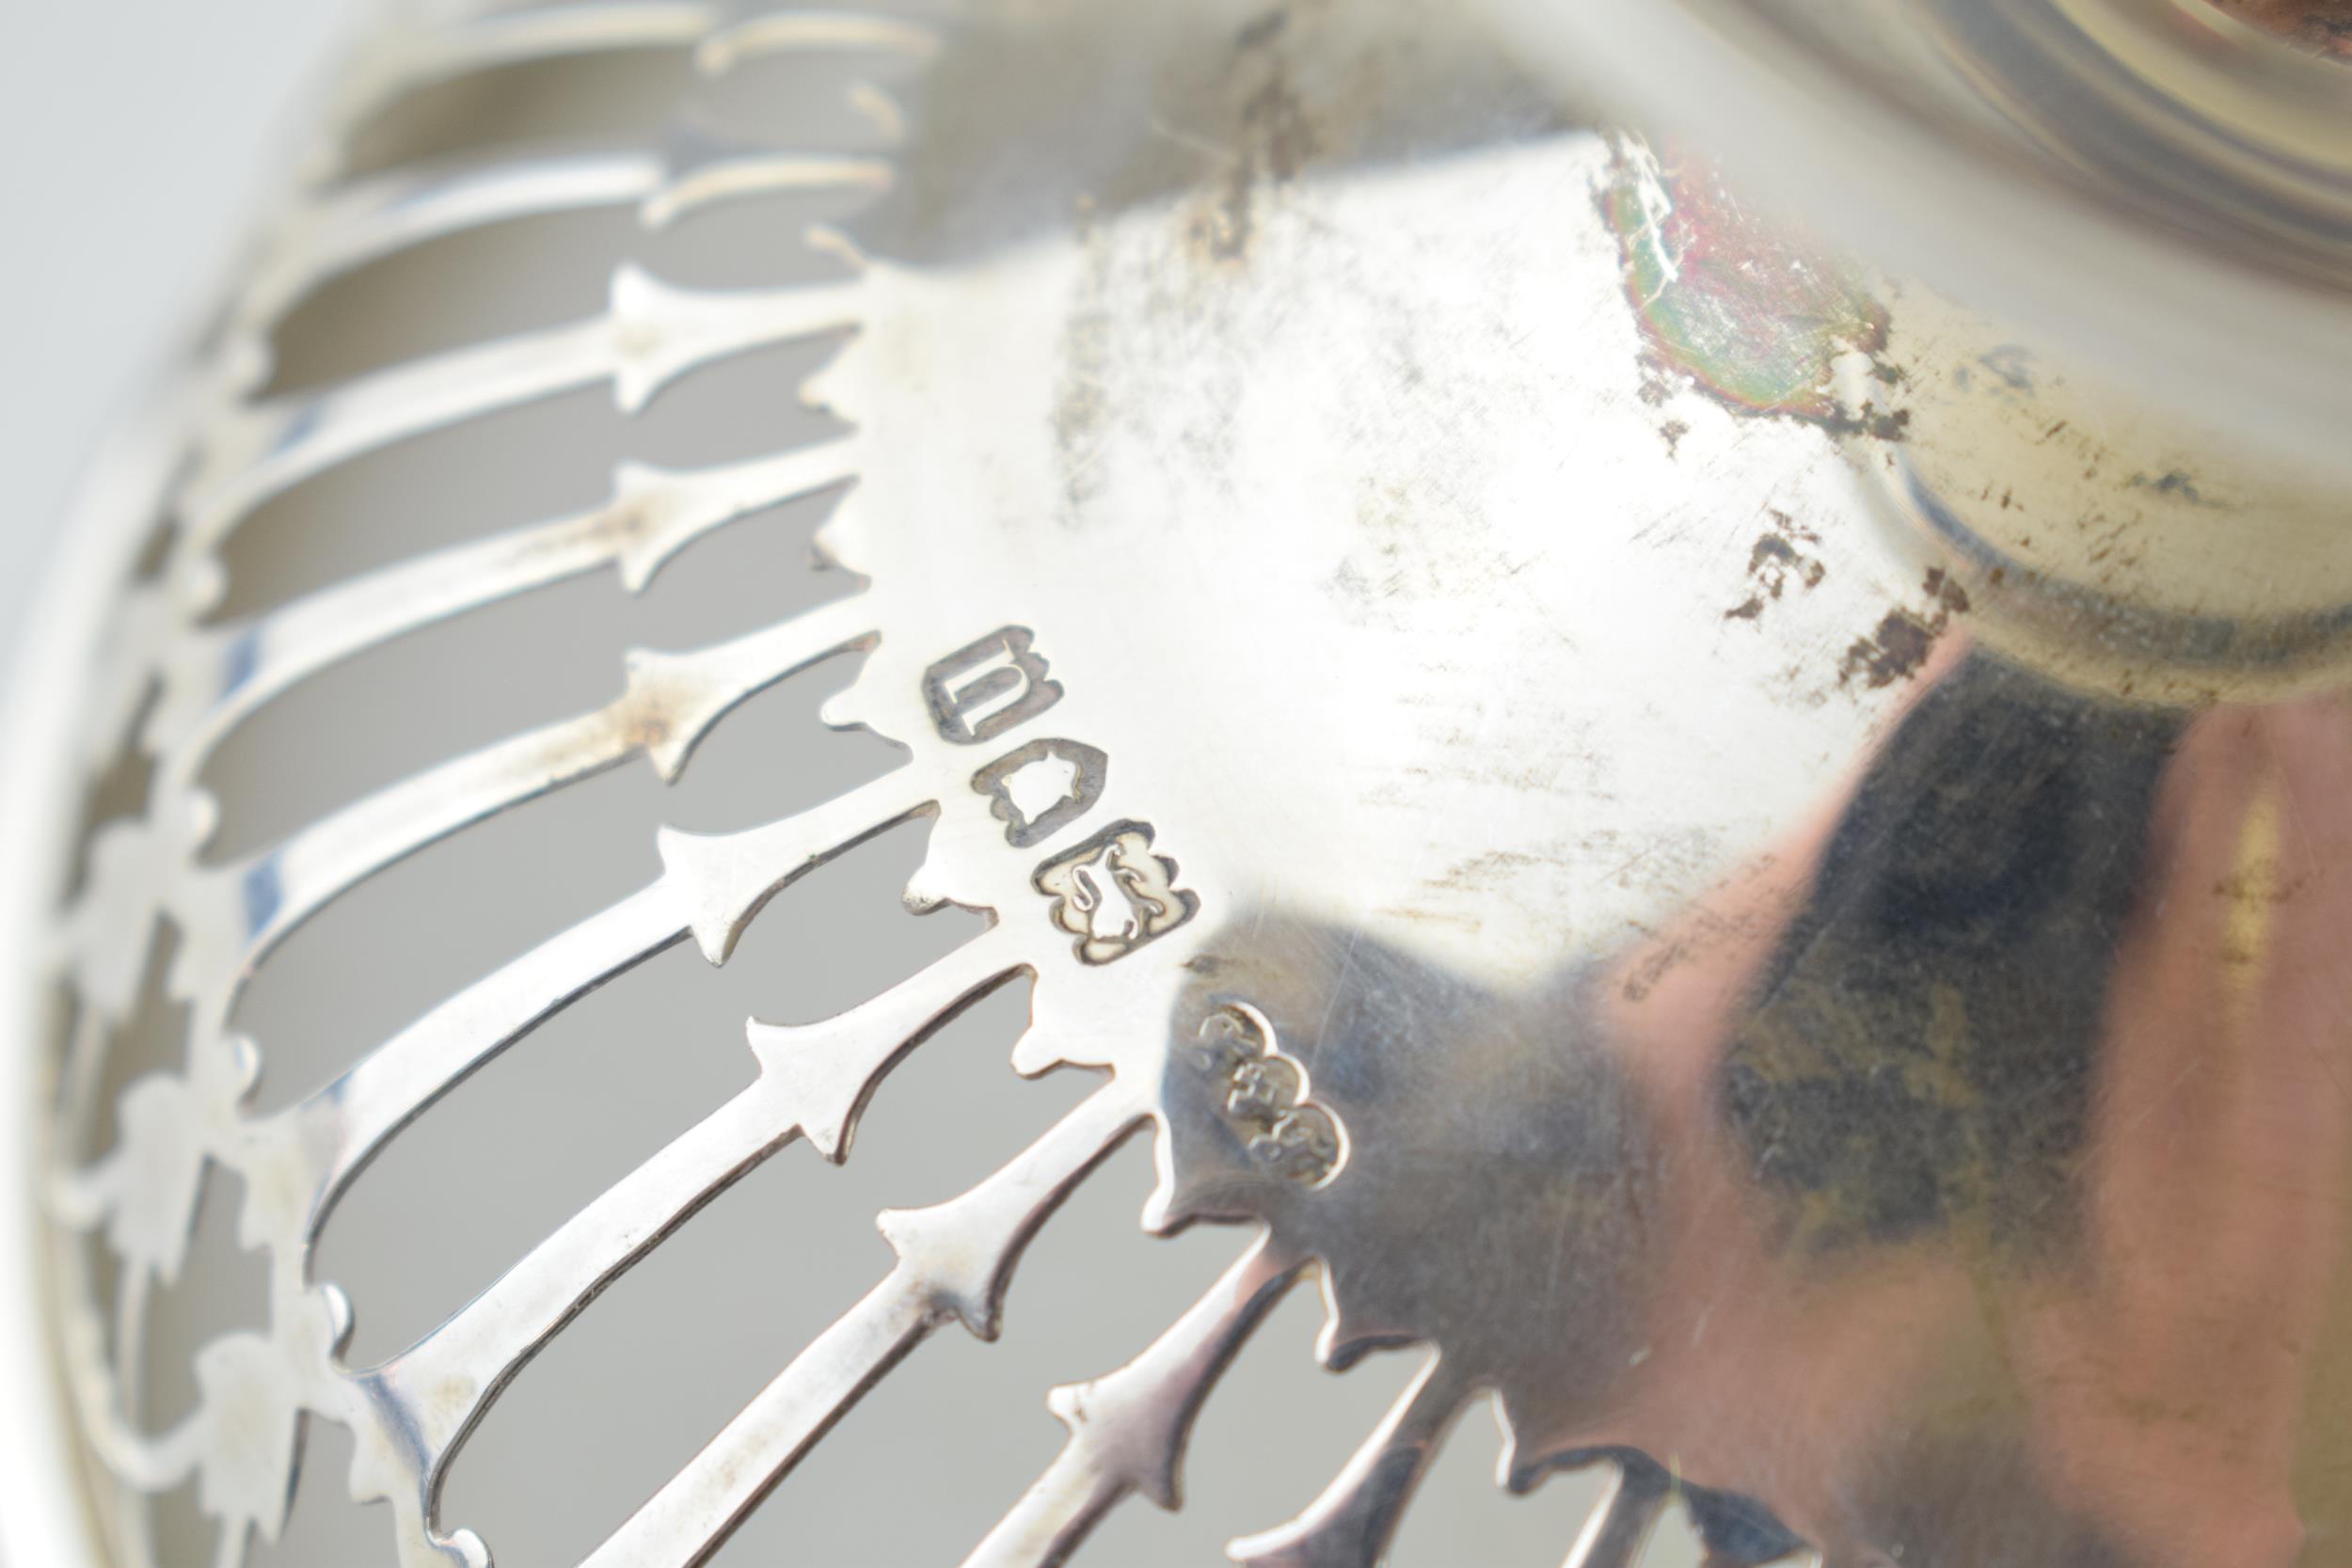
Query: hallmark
[[978, 692], [1042, 789], [1264, 1102], [1114, 895]]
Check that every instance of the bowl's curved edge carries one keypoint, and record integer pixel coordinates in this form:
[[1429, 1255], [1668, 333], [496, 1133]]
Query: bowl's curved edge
[[48, 1522]]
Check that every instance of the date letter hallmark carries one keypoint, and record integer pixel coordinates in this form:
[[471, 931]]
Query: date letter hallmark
[[1114, 895], [1261, 1096], [978, 694]]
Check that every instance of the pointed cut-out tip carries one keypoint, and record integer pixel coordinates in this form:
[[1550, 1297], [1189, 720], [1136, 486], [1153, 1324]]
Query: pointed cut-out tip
[[1049, 1048], [340, 1319], [1120, 1444], [828, 239], [200, 585], [1162, 1218], [803, 31], [465, 1550], [827, 1099], [242, 1060], [821, 395], [1291, 1545], [324, 165], [1167, 1210], [1341, 1342], [960, 1282], [1516, 1477], [845, 710], [1518, 1469], [641, 497], [700, 864], [824, 545], [244, 363], [1066, 1403], [879, 110], [926, 891], [714, 175]]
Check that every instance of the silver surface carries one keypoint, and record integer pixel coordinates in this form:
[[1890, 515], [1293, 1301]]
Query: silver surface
[[2159, 184], [1720, 850]]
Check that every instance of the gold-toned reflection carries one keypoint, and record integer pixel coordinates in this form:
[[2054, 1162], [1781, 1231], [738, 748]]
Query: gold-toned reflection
[[2315, 24], [1965, 1177]]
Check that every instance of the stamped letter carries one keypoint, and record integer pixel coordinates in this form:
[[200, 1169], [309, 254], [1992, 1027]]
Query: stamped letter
[[978, 694]]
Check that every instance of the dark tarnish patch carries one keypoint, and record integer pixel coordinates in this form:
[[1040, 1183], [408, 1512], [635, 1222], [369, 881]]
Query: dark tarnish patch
[[1264, 30], [2175, 486], [1919, 1056], [1276, 140], [2011, 365], [1900, 643], [1081, 405], [2322, 26], [1485, 872], [1755, 317], [1779, 558]]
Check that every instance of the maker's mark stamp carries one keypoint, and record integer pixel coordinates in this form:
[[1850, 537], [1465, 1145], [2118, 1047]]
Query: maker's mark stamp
[[1261, 1098]]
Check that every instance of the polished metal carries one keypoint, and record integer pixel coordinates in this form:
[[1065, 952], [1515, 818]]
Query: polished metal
[[2163, 183], [1745, 859]]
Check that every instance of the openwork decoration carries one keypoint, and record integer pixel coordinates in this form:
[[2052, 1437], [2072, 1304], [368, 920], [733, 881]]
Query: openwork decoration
[[1090, 914]]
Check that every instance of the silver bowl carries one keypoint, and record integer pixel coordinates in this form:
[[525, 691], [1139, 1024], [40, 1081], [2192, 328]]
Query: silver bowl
[[1727, 826]]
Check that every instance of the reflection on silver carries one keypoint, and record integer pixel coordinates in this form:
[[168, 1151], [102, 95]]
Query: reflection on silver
[[1505, 705], [2087, 168]]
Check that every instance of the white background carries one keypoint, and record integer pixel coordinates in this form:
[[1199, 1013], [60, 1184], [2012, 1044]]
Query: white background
[[137, 137]]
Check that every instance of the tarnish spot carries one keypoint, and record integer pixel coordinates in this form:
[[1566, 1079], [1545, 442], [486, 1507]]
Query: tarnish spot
[[1755, 317], [1899, 644], [1780, 557], [1277, 138], [2315, 24], [2175, 486]]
